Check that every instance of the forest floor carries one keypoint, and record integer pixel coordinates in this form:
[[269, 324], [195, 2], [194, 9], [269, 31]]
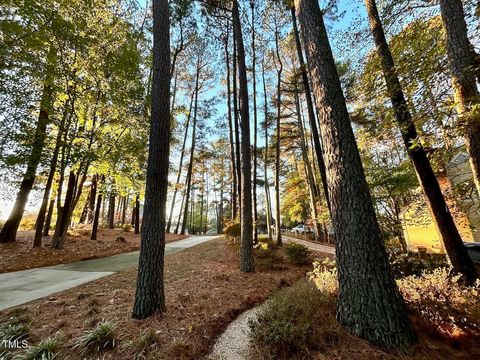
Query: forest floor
[[205, 291], [20, 255]]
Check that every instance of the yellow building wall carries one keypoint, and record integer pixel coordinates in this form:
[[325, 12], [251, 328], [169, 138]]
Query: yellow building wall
[[423, 236]]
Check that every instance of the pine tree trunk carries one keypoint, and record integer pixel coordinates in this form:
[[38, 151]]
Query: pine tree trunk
[[461, 59], [461, 261], [192, 149], [369, 303], [10, 228], [233, 167], [246, 247], [180, 166], [278, 230], [268, 206], [238, 163], [150, 293], [254, 83], [310, 109]]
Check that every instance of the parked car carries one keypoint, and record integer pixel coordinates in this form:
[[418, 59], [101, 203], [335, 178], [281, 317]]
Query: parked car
[[301, 229], [473, 249]]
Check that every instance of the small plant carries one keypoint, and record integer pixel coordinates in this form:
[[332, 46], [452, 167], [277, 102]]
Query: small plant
[[233, 231], [291, 325], [15, 328], [127, 227], [140, 344], [297, 253], [406, 264], [102, 337], [47, 349], [324, 276]]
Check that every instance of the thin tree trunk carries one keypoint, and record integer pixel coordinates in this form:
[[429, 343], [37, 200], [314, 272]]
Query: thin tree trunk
[[91, 204], [61, 231], [230, 132], [150, 293], [369, 303], [48, 219], [268, 206], [180, 166], [111, 211], [246, 248], [10, 228], [96, 217], [137, 215], [192, 149], [310, 109], [236, 127], [179, 220], [278, 231], [461, 261], [254, 83], [461, 58]]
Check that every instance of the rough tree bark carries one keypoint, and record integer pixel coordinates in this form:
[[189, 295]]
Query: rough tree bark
[[236, 126], [369, 303], [461, 261], [246, 248], [137, 215], [463, 66], [310, 109], [61, 231], [150, 293], [10, 228]]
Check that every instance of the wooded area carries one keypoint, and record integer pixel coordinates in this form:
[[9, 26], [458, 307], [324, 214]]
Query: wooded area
[[248, 118]]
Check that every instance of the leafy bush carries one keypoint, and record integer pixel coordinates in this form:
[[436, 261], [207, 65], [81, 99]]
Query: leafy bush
[[442, 302], [291, 324], [233, 231], [406, 264], [102, 337], [15, 328], [47, 349], [127, 227], [297, 253]]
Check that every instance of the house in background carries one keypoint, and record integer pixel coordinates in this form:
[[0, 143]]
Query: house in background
[[457, 185]]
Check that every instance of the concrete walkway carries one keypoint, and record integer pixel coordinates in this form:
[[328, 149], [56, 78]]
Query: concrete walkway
[[20, 287], [312, 246]]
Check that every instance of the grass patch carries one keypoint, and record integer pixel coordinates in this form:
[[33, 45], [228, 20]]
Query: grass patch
[[47, 349], [140, 345], [100, 338]]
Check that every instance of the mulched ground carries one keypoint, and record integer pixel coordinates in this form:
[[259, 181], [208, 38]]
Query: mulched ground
[[20, 255], [205, 291]]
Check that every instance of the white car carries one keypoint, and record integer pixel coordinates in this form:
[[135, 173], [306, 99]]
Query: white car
[[301, 229]]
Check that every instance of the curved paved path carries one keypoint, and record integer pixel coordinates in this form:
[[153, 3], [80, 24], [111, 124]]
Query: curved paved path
[[19, 287]]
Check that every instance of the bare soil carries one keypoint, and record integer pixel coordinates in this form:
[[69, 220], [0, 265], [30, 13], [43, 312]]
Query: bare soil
[[20, 255]]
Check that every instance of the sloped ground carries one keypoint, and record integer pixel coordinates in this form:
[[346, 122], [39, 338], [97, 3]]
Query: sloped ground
[[21, 256], [205, 291]]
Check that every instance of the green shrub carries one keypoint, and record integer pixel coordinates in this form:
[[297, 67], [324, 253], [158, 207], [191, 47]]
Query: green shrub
[[233, 231], [127, 227], [15, 328], [47, 349], [407, 264], [292, 323], [297, 253], [102, 337], [324, 276]]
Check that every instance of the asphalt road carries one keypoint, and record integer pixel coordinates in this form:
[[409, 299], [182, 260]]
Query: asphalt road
[[20, 287]]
